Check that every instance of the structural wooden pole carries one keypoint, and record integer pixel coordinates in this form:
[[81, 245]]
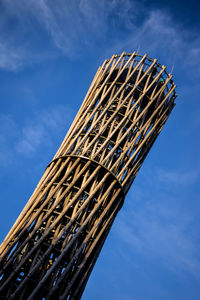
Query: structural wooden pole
[[51, 249]]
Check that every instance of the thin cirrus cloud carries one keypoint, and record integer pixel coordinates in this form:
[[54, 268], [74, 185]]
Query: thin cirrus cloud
[[162, 225], [38, 132], [155, 230], [85, 25], [163, 37], [179, 178], [11, 58]]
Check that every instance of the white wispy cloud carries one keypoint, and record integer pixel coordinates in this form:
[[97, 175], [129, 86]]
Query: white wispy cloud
[[10, 58], [20, 36], [177, 177], [83, 24], [161, 36], [154, 230], [52, 21], [89, 25], [31, 138], [159, 224], [38, 132]]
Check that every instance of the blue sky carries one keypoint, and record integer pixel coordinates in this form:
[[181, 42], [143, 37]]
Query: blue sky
[[49, 53]]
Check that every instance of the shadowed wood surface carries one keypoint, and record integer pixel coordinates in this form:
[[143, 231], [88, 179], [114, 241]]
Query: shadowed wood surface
[[51, 249]]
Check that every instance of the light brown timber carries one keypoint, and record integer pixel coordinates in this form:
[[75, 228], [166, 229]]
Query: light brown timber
[[51, 249]]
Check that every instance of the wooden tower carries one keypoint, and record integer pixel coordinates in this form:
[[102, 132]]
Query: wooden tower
[[51, 249]]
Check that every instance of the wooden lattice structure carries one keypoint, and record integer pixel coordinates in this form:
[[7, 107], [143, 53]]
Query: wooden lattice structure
[[50, 251]]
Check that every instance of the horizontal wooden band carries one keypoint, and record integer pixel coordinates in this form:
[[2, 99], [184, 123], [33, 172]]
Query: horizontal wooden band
[[95, 163]]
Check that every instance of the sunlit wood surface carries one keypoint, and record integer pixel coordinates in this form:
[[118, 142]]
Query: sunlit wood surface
[[52, 247]]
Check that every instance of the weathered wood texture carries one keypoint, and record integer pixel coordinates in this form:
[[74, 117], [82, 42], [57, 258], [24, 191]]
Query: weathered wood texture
[[52, 248]]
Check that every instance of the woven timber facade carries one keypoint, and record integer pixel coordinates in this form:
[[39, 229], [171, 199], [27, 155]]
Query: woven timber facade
[[51, 249]]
